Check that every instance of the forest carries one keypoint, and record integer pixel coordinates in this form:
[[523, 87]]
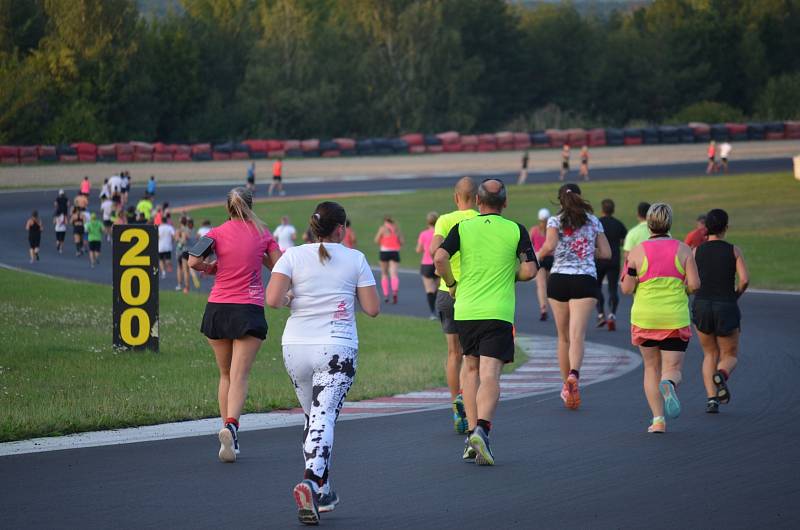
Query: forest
[[224, 70]]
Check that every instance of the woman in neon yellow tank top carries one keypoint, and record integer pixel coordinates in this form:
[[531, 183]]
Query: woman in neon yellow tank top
[[661, 272]]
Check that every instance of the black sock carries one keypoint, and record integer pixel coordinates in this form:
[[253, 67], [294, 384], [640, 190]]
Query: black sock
[[575, 373], [485, 425], [432, 301]]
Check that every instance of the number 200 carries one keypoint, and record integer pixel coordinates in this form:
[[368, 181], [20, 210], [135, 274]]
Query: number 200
[[133, 258]]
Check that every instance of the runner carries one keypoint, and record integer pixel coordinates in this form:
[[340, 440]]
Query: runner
[[204, 229], [426, 269], [712, 158], [166, 237], [151, 186], [564, 162], [105, 191], [390, 241], [277, 177], [349, 236], [724, 153], [491, 247], [575, 237], [76, 219], [285, 234], [158, 217], [94, 234], [659, 273], [60, 227], [86, 187], [320, 341], [182, 236], [234, 320], [145, 207], [125, 186], [696, 237], [34, 228], [107, 209], [81, 201], [251, 177], [130, 215], [538, 236], [715, 313], [638, 233], [615, 233], [61, 203], [464, 198], [115, 185], [523, 172], [584, 171]]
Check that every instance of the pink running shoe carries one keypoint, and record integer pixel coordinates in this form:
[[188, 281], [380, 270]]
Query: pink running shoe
[[564, 393], [573, 392]]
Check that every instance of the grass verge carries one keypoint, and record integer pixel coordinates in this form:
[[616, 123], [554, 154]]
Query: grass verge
[[60, 375], [765, 219]]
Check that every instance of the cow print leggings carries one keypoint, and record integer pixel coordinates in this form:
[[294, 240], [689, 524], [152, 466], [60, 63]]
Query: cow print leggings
[[321, 375]]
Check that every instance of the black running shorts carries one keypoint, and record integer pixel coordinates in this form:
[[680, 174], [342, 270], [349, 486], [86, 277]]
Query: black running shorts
[[487, 338], [427, 271], [445, 308], [716, 317], [233, 321], [165, 255], [671, 344], [566, 287], [94, 246], [389, 255]]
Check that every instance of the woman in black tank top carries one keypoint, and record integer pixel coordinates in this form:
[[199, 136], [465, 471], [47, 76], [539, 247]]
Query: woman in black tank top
[[715, 312]]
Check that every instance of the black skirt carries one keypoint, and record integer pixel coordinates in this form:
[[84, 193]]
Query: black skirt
[[233, 321]]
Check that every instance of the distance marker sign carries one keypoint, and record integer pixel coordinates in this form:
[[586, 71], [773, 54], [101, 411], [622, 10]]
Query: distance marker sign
[[135, 287]]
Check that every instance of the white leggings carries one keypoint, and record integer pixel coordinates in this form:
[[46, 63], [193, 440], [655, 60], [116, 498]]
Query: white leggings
[[321, 374]]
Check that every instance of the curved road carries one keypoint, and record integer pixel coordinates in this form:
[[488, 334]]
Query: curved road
[[594, 468]]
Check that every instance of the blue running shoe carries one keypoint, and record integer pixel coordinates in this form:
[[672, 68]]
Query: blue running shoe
[[479, 441], [672, 406], [459, 415], [326, 502]]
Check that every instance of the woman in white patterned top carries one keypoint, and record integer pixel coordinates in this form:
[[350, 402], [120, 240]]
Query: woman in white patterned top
[[575, 237]]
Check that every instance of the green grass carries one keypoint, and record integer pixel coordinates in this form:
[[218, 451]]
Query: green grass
[[59, 373], [763, 208]]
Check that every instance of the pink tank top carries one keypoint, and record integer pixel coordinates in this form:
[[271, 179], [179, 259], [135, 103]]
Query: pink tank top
[[85, 187], [662, 257], [392, 241]]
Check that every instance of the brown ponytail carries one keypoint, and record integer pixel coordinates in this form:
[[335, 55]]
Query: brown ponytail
[[240, 206], [327, 217], [574, 209]]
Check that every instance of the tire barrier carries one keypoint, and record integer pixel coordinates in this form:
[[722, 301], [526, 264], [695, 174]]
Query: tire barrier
[[412, 143]]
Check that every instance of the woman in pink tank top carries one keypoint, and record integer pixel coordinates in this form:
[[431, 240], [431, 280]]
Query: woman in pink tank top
[[233, 321], [426, 268], [390, 241], [661, 272]]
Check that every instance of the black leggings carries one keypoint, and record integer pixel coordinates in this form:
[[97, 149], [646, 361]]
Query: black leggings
[[610, 270]]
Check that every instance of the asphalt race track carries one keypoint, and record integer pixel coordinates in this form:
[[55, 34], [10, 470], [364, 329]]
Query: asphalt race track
[[592, 468]]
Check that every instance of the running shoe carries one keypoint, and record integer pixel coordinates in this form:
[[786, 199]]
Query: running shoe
[[712, 406], [573, 400], [723, 392], [326, 502], [469, 453], [612, 323], [564, 393], [543, 316], [433, 317], [479, 441], [601, 320], [229, 446], [305, 496], [394, 298], [178, 287], [672, 406], [658, 426], [459, 415]]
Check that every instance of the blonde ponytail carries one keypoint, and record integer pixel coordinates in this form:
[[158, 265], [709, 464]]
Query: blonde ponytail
[[240, 206]]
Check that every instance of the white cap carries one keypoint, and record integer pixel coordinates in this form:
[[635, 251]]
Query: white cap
[[544, 213]]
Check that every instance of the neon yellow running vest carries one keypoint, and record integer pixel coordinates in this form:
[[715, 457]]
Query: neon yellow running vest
[[660, 301]]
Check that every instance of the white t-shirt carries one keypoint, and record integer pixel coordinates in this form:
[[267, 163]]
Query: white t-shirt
[[61, 223], [86, 217], [574, 252], [115, 184], [107, 207], [323, 308], [283, 234], [105, 191], [165, 235], [202, 231], [724, 150]]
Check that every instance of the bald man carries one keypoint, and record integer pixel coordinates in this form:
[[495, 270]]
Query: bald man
[[464, 198], [495, 254]]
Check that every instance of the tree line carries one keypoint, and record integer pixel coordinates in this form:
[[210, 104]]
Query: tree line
[[99, 71]]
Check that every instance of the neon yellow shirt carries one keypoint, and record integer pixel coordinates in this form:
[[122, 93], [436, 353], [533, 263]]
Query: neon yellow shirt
[[444, 224]]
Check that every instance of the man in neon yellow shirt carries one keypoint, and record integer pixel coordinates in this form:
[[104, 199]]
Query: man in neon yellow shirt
[[491, 248], [638, 233], [145, 207], [464, 197]]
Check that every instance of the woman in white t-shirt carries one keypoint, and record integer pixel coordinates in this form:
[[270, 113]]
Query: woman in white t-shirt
[[575, 237], [320, 341], [60, 222]]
